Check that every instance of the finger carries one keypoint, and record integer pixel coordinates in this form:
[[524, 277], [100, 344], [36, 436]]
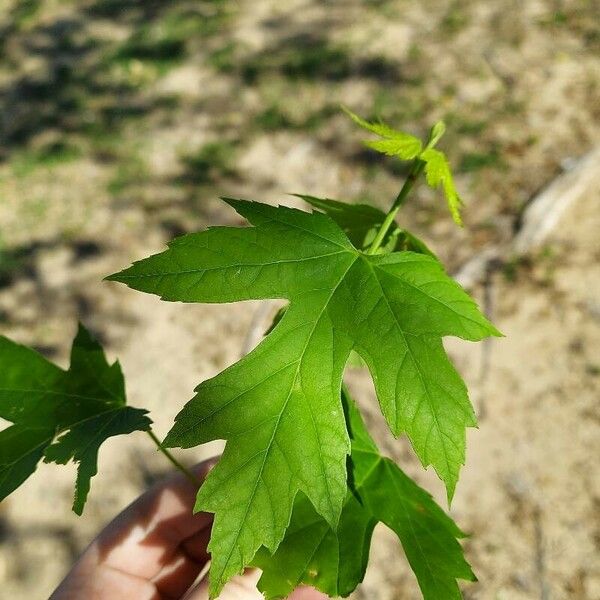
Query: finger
[[243, 587], [153, 531], [152, 544], [307, 593], [240, 587], [178, 576]]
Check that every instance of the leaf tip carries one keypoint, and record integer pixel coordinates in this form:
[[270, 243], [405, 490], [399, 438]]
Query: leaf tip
[[437, 131], [450, 490], [495, 332], [233, 202], [170, 441], [83, 336], [473, 577], [81, 494], [85, 341], [115, 277], [358, 120], [348, 111], [457, 218]]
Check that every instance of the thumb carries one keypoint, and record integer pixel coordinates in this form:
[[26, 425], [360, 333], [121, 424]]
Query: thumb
[[243, 587]]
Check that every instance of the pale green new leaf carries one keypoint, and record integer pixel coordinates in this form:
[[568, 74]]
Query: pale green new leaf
[[60, 415], [394, 142], [437, 172], [334, 561], [405, 146], [279, 407]]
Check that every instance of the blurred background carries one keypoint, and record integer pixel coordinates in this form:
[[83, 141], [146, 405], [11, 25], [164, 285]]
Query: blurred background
[[123, 121]]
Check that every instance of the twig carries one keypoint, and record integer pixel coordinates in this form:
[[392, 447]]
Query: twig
[[540, 554], [539, 219], [543, 213], [189, 475]]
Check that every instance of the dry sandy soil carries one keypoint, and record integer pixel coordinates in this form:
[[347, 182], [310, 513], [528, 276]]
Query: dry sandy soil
[[107, 151]]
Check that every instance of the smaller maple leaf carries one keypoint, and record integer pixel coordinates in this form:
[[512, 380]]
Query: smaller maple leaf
[[60, 415], [335, 560]]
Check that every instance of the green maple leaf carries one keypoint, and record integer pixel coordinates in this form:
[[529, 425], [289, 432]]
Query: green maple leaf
[[335, 561], [279, 407], [60, 415], [360, 223]]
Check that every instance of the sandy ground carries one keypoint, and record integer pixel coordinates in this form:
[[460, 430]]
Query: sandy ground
[[519, 85]]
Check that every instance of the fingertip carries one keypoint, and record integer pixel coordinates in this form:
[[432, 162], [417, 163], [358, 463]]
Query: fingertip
[[307, 593]]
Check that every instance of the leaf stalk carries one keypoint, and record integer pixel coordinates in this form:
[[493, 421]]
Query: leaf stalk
[[416, 169], [188, 474]]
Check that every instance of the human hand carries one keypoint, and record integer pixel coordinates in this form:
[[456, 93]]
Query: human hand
[[156, 550]]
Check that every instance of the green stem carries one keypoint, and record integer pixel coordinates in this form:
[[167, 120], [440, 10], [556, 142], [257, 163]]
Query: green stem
[[437, 131], [189, 475], [415, 170]]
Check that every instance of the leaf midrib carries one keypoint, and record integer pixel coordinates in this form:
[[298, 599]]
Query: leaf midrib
[[275, 428], [417, 366], [123, 275], [421, 292]]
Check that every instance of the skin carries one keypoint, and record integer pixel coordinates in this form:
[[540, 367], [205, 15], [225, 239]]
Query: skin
[[156, 550]]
